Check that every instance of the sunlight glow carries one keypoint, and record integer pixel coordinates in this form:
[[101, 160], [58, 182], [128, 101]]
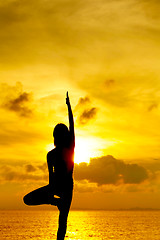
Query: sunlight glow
[[85, 149], [49, 147]]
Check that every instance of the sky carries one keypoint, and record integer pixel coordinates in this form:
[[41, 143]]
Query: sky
[[106, 54]]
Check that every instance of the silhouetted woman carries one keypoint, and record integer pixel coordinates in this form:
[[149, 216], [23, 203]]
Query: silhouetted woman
[[60, 166]]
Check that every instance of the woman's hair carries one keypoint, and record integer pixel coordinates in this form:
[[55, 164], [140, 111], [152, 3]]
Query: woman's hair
[[61, 135]]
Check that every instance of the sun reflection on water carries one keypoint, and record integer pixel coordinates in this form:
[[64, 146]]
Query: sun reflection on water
[[82, 225]]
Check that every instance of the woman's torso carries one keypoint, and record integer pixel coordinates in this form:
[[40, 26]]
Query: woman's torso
[[62, 162]]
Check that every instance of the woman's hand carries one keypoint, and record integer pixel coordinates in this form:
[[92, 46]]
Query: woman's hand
[[67, 99]]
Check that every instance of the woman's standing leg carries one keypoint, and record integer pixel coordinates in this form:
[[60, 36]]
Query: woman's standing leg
[[63, 215]]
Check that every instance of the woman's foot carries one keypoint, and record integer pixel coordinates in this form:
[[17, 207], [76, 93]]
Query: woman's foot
[[56, 202], [59, 204]]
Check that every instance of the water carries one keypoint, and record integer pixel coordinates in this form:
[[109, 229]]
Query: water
[[82, 225]]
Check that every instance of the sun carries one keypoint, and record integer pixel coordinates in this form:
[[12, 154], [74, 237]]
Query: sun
[[82, 151], [85, 149]]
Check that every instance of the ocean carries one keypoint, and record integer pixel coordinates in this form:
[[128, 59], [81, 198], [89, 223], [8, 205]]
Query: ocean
[[82, 225]]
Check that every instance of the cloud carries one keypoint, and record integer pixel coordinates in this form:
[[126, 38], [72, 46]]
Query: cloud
[[18, 109], [108, 170], [87, 115], [20, 173], [105, 174], [14, 99], [109, 83], [84, 186], [30, 168], [152, 107], [18, 105], [83, 101], [43, 167], [86, 112]]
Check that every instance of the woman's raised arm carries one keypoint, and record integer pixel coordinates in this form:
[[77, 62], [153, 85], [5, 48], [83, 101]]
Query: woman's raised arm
[[71, 121]]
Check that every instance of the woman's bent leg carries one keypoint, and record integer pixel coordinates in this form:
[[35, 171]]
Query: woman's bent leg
[[39, 196]]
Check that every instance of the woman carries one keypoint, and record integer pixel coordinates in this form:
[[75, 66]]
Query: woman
[[60, 166]]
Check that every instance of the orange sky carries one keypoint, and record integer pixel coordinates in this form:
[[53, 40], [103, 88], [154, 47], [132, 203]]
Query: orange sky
[[107, 55]]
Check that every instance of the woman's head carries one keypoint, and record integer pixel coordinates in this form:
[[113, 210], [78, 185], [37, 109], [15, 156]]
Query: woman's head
[[61, 135]]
